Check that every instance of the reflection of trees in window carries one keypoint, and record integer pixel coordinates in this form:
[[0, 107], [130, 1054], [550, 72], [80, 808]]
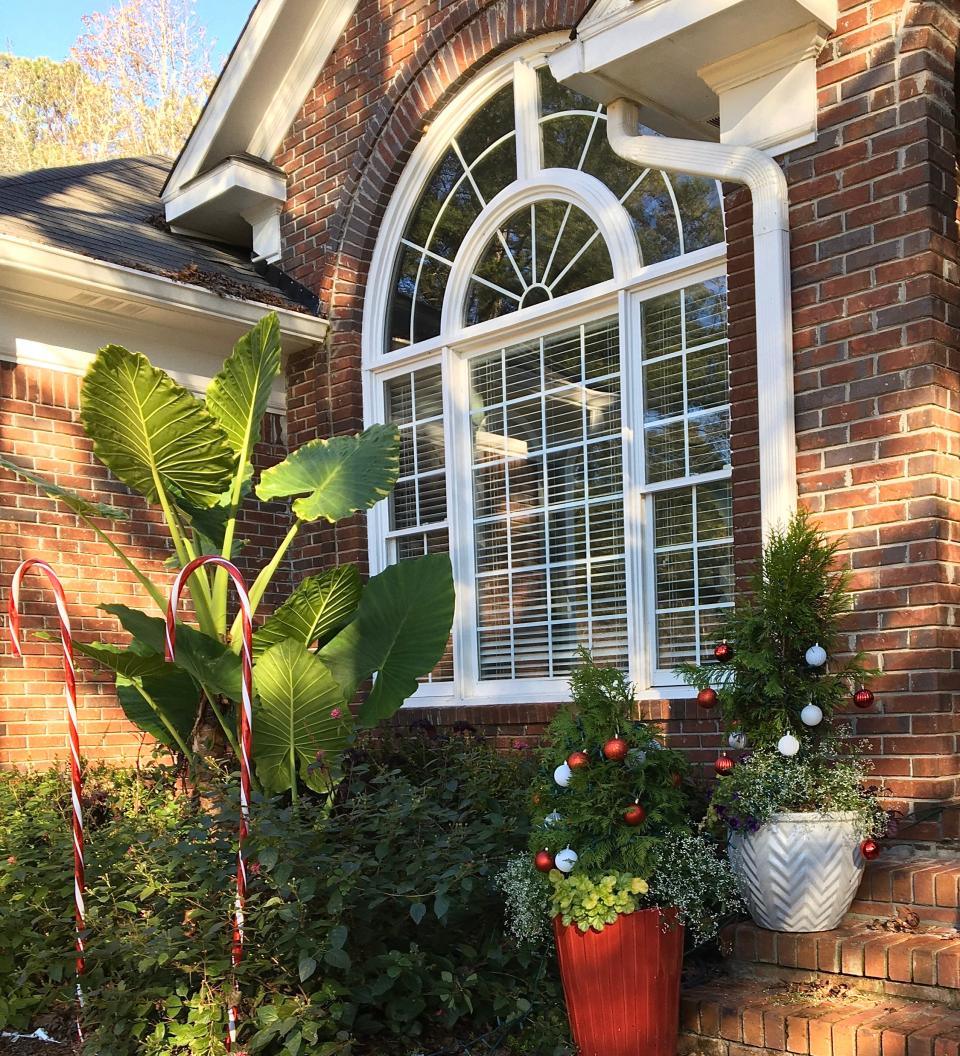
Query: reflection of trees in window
[[671, 215], [541, 252]]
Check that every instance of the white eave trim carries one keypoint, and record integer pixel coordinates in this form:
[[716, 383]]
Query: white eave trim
[[178, 298], [234, 194], [297, 57]]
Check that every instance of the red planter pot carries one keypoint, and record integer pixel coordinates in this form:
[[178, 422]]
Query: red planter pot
[[622, 984]]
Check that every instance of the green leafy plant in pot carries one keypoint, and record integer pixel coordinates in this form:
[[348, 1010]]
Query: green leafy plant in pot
[[794, 793], [193, 460], [616, 863]]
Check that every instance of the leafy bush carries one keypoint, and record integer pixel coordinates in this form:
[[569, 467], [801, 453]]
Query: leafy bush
[[373, 923], [826, 777]]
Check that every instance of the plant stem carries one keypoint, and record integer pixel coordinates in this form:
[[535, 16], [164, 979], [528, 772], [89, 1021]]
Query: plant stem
[[144, 582], [263, 581]]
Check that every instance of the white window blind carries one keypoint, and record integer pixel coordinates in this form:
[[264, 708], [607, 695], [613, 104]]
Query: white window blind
[[687, 438], [548, 503], [418, 504]]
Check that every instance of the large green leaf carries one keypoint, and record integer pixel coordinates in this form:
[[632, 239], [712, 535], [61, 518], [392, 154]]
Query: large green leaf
[[73, 502], [400, 632], [173, 694], [315, 611], [293, 720], [337, 477], [207, 660], [131, 663], [153, 434], [237, 397]]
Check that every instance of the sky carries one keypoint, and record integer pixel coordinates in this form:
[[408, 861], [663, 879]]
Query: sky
[[49, 27]]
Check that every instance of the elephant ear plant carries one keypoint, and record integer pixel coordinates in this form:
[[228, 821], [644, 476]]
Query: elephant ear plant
[[193, 459]]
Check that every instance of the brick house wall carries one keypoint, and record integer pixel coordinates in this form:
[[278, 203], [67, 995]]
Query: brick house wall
[[40, 429], [873, 216]]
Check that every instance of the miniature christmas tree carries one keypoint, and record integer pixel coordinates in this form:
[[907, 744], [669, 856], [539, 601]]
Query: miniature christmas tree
[[779, 679], [609, 791]]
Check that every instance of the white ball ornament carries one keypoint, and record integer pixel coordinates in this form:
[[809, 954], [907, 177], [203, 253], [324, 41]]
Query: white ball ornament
[[737, 740], [788, 745], [566, 860], [551, 819], [562, 775], [811, 715], [816, 655]]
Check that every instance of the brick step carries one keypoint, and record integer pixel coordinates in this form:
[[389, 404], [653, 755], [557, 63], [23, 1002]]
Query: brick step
[[736, 1018], [928, 957], [928, 886]]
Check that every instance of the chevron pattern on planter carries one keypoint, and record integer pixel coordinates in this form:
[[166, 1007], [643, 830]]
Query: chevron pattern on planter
[[799, 872]]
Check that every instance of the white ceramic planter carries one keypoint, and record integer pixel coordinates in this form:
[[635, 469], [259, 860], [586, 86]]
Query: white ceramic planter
[[799, 872]]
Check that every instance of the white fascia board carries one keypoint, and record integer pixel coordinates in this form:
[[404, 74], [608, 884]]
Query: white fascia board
[[179, 301], [652, 53], [276, 62], [241, 179]]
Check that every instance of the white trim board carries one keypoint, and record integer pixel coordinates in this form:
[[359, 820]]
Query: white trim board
[[36, 264]]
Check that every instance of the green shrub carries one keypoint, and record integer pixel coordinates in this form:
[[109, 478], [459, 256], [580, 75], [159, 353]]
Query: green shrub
[[373, 924]]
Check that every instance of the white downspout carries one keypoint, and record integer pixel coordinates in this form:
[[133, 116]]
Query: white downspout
[[771, 249]]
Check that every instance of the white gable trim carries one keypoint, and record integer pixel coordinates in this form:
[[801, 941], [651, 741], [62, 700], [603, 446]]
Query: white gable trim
[[276, 62]]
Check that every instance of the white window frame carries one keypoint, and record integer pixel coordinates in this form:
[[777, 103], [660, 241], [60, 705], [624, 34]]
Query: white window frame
[[621, 296]]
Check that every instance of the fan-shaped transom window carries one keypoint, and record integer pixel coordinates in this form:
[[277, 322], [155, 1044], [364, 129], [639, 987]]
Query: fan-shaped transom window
[[670, 215], [565, 419]]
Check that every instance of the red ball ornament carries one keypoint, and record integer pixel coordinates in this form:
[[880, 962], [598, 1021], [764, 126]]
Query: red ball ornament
[[870, 850], [707, 698], [863, 698], [543, 861], [615, 749], [634, 814], [723, 652], [724, 765], [676, 780], [578, 760]]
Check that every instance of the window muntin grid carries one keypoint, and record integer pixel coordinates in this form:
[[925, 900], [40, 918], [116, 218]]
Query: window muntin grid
[[671, 214], [687, 434], [418, 522], [690, 220], [543, 251], [547, 481]]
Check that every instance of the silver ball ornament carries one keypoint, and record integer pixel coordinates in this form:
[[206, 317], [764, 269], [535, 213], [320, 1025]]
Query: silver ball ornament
[[811, 715], [553, 818], [816, 655], [737, 740], [566, 860]]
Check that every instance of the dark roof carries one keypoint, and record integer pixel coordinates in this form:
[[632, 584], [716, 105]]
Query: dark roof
[[111, 211]]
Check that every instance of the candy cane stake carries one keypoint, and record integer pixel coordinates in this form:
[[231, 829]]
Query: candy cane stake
[[76, 781], [246, 738]]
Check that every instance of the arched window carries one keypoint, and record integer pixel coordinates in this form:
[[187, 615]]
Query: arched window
[[547, 325]]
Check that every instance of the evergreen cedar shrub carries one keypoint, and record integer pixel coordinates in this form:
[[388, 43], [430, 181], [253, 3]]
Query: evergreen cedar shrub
[[373, 925], [620, 867], [798, 597]]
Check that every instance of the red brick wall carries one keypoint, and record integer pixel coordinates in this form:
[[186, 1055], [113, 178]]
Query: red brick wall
[[40, 430], [873, 203], [874, 237]]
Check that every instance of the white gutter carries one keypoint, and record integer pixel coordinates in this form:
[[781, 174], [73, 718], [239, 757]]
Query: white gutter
[[771, 248]]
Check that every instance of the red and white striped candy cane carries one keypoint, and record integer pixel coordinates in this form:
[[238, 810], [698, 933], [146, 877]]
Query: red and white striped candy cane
[[246, 736], [76, 780]]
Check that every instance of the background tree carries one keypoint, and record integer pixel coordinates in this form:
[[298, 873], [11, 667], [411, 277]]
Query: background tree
[[135, 83]]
